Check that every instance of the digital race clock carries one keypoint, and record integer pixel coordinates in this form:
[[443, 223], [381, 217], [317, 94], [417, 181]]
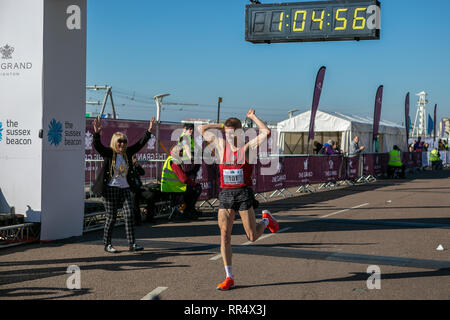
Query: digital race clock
[[313, 21]]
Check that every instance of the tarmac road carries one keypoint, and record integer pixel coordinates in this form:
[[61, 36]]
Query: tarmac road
[[326, 243]]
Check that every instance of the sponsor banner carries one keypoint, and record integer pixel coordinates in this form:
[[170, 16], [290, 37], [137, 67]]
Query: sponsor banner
[[377, 112], [333, 169], [63, 118], [375, 164], [208, 177], [21, 61], [316, 99], [409, 159], [272, 181], [299, 171], [352, 165], [407, 119], [434, 123]]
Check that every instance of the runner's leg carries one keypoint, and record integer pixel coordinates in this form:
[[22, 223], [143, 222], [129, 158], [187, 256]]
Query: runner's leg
[[225, 220], [252, 229]]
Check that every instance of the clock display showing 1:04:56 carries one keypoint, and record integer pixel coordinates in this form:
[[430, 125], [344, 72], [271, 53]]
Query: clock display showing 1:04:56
[[313, 21], [343, 19]]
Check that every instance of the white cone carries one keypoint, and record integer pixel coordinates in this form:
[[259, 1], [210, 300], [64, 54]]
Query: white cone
[[440, 248]]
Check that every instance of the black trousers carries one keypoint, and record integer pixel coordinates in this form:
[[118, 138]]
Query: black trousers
[[437, 165], [113, 200], [191, 196], [392, 169], [137, 198]]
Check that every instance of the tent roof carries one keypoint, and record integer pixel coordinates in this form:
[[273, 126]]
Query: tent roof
[[334, 121]]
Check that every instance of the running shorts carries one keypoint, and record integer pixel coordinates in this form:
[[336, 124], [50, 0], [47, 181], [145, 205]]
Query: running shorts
[[239, 199]]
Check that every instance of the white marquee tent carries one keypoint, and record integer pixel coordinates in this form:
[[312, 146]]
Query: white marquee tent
[[293, 132]]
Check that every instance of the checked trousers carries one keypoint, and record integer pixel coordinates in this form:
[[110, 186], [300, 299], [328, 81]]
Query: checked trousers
[[114, 199]]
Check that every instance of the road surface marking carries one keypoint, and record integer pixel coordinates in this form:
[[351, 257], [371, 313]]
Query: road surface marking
[[345, 210], [154, 294]]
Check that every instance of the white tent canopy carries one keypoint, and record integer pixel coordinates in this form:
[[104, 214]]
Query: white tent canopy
[[341, 128]]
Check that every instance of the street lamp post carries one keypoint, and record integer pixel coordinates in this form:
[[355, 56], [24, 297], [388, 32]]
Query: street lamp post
[[158, 99]]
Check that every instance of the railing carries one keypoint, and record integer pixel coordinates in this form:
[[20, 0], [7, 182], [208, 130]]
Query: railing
[[301, 172], [18, 234]]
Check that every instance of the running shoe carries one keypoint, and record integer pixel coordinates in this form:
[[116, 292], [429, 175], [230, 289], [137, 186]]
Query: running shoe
[[273, 223], [109, 248], [226, 285]]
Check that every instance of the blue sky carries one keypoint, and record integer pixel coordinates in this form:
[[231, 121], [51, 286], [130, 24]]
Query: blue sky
[[196, 51]]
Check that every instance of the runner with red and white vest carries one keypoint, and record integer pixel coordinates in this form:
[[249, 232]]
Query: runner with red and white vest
[[236, 194]]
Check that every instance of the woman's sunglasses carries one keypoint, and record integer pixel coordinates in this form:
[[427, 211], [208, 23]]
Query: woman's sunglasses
[[122, 141]]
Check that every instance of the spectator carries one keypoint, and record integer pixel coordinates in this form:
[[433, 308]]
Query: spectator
[[441, 145], [411, 146], [418, 147], [329, 148], [136, 192], [187, 141], [317, 147], [175, 180], [435, 159], [355, 148], [114, 182]]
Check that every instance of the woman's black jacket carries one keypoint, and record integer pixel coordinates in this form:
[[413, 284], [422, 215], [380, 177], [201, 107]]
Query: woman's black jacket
[[104, 176]]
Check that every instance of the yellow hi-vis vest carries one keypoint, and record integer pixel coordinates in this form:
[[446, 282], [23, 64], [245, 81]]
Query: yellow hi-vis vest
[[192, 146], [169, 179], [395, 159], [434, 155]]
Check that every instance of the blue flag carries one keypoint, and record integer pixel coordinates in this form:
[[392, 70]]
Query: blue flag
[[430, 126]]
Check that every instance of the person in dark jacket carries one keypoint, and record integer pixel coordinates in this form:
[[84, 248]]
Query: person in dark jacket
[[114, 181], [136, 193], [317, 147], [330, 147]]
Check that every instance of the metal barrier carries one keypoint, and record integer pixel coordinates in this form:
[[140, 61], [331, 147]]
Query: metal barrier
[[301, 172], [18, 234]]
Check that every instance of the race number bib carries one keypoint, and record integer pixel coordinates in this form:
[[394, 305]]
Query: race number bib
[[233, 176]]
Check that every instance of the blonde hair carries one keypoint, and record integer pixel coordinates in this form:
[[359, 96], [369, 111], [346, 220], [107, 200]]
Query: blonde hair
[[116, 136]]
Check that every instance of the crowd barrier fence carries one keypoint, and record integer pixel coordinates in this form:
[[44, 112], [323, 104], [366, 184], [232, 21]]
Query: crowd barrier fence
[[291, 171]]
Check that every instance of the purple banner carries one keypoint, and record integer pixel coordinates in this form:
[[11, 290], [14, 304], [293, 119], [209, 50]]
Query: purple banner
[[290, 171], [316, 98], [407, 117], [299, 171], [272, 182], [377, 112], [412, 159], [375, 164], [352, 167], [434, 124], [208, 177]]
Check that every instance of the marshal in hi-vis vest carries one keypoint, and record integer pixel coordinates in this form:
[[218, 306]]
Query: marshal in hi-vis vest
[[434, 156], [395, 159], [169, 179]]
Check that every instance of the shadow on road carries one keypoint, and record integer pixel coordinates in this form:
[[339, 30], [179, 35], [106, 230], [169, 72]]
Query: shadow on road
[[359, 277]]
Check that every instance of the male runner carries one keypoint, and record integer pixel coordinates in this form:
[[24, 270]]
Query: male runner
[[236, 168]]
